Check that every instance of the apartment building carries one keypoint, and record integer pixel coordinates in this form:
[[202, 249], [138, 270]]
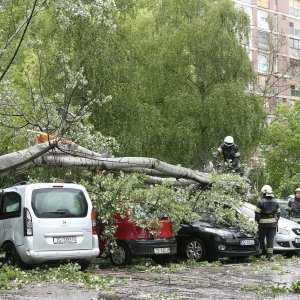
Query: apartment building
[[274, 49]]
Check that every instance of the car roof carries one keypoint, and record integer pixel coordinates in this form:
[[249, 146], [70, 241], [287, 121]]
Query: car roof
[[282, 201]]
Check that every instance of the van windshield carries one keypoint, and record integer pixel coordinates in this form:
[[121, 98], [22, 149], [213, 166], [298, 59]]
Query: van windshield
[[59, 203]]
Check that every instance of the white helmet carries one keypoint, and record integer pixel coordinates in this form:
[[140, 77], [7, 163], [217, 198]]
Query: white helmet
[[266, 189], [228, 140]]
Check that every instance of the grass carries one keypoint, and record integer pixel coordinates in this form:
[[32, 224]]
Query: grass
[[12, 277]]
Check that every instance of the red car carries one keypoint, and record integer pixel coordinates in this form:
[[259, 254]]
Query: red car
[[133, 241]]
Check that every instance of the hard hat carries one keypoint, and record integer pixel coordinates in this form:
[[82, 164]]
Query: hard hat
[[297, 190], [266, 189], [228, 140]]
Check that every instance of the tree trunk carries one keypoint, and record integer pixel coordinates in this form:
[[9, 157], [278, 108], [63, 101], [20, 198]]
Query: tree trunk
[[68, 154]]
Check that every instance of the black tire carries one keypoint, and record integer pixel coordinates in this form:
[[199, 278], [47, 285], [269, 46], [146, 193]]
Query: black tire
[[238, 259], [162, 259], [194, 250], [83, 263], [11, 256], [121, 255]]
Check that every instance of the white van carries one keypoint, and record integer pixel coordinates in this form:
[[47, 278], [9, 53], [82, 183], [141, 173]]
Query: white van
[[42, 222]]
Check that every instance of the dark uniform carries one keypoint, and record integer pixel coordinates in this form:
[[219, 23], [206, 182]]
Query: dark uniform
[[294, 209], [267, 214], [230, 153]]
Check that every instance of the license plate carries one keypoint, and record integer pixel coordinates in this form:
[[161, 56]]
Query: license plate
[[297, 241], [65, 240], [161, 250], [247, 242]]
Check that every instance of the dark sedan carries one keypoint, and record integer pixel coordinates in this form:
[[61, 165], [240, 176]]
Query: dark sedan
[[203, 241]]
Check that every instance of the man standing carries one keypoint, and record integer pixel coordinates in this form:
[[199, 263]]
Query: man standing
[[230, 152], [294, 207], [267, 214]]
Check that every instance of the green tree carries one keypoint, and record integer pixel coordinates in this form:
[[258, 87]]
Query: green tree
[[176, 71], [282, 156], [170, 92], [46, 87], [113, 194], [182, 79]]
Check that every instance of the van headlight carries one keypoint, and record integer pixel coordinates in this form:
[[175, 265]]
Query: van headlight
[[220, 232], [283, 231]]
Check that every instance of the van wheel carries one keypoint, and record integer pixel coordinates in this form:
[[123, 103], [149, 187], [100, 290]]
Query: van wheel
[[121, 255], [194, 249], [83, 263], [11, 256]]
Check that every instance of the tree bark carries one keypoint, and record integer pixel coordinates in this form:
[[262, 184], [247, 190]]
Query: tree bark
[[71, 155]]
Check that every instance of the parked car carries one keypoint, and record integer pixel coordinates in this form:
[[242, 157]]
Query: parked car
[[204, 241], [283, 208], [133, 241], [41, 222], [287, 238]]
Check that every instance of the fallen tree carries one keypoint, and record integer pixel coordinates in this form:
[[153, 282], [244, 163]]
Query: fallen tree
[[114, 193], [63, 153]]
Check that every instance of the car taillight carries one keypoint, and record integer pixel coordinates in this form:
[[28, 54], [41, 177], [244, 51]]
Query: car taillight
[[94, 227], [28, 228]]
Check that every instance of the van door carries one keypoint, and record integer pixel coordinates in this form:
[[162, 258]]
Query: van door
[[61, 219], [11, 217]]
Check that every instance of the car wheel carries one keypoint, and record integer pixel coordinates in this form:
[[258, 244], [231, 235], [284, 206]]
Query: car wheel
[[11, 256], [194, 249], [121, 255], [162, 259]]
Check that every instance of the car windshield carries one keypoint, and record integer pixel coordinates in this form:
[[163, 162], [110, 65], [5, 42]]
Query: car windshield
[[149, 213], [59, 203], [248, 210], [206, 217]]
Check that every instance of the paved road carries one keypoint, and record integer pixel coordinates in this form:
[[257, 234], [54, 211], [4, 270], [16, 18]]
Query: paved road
[[241, 280]]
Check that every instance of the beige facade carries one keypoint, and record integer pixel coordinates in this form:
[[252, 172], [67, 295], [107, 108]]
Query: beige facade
[[274, 49]]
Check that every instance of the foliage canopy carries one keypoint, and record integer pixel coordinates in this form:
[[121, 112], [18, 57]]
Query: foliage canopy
[[165, 79], [283, 155]]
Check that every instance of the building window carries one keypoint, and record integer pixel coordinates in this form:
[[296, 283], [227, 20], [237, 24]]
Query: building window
[[263, 3], [262, 62], [275, 23], [294, 48], [249, 52], [294, 8], [263, 19], [263, 41], [294, 91], [295, 68], [261, 82], [294, 27]]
